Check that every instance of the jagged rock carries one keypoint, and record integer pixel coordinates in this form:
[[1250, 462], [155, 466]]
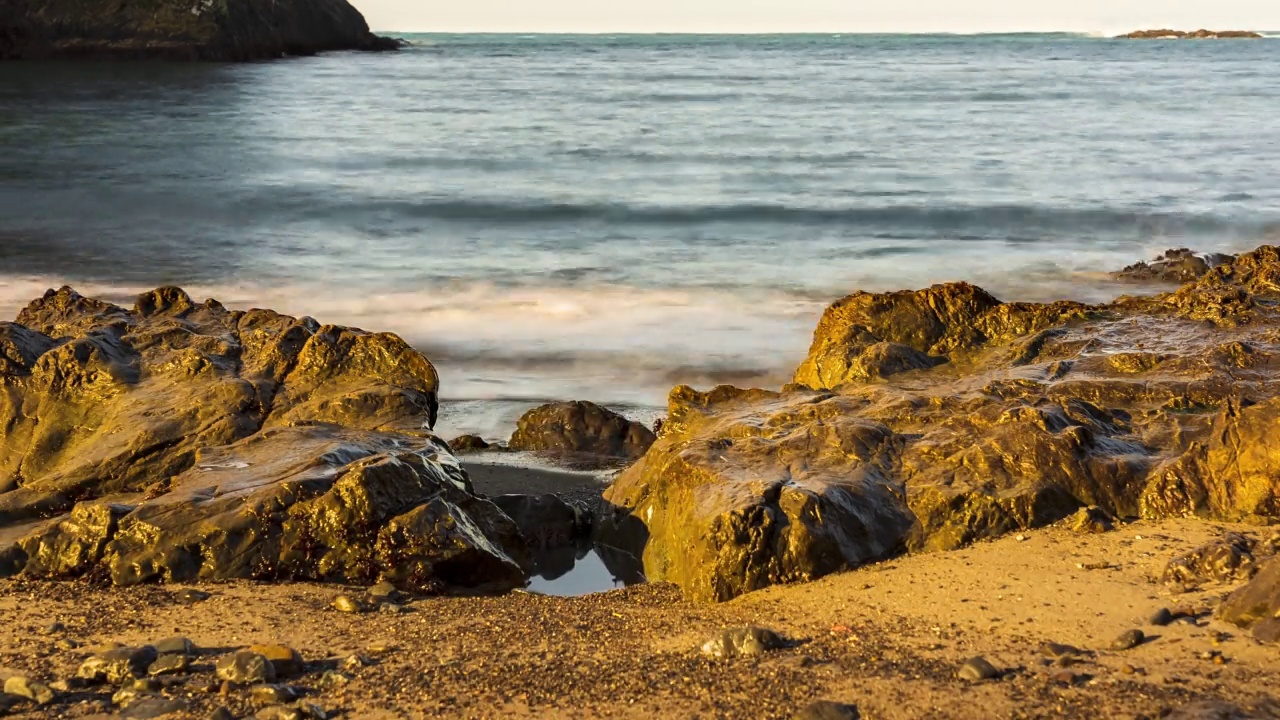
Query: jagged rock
[[581, 430], [245, 668], [207, 30], [1256, 604], [267, 447], [169, 665], [1174, 266], [115, 665], [286, 661], [176, 646], [465, 444], [1147, 407], [1226, 559], [1092, 521]]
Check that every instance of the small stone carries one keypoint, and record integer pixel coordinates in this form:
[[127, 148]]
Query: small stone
[[356, 662], [279, 712], [827, 710], [117, 664], [978, 669], [149, 708], [1128, 640], [380, 648], [348, 604], [1059, 651], [1160, 618], [190, 596], [1020, 538], [383, 592], [37, 692], [272, 694], [245, 668], [1127, 669], [1092, 520], [127, 695], [393, 608], [314, 712], [54, 628], [743, 642], [333, 679], [286, 661], [222, 713], [66, 644], [176, 646], [169, 665], [1064, 677]]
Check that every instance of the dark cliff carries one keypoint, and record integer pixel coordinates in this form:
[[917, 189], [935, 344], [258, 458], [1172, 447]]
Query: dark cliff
[[219, 30]]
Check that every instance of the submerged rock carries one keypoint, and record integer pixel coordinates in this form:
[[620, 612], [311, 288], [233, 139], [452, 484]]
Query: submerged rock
[[1174, 266], [1023, 414], [581, 431], [171, 30], [179, 442]]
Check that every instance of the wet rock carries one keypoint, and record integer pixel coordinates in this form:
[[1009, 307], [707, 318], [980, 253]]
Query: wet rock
[[169, 665], [33, 690], [272, 694], [286, 661], [1256, 604], [978, 669], [827, 710], [1173, 266], [175, 646], [245, 668], [1128, 640], [467, 444], [546, 521], [1092, 520], [114, 665], [1227, 559], [147, 708], [743, 642], [581, 431], [1196, 35]]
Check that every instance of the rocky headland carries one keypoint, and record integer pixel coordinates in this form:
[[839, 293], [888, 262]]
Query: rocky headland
[[975, 476], [215, 30], [1166, 34]]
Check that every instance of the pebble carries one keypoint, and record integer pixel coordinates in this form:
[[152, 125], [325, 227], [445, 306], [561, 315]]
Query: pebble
[[1065, 677], [1160, 618], [190, 596], [169, 665], [1059, 651], [245, 668], [32, 690], [827, 710], [347, 604], [743, 642], [176, 646], [356, 662], [333, 679], [978, 669], [1128, 640], [272, 694], [222, 713], [286, 661]]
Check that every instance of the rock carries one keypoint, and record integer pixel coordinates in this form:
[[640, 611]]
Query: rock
[[147, 708], [1173, 266], [348, 604], [245, 668], [1066, 677], [233, 31], [743, 642], [1227, 559], [978, 669], [169, 665], [222, 713], [23, 687], [1091, 520], [546, 522], [1197, 35], [827, 710], [384, 592], [176, 646], [355, 663], [286, 661], [289, 451], [1209, 710], [333, 679], [1160, 618], [1256, 604], [1128, 640], [581, 431], [115, 665], [1030, 412], [301, 711], [467, 444], [1058, 651], [189, 596], [272, 694]]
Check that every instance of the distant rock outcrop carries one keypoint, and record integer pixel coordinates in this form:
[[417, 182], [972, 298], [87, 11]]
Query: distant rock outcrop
[[1193, 35], [581, 433], [224, 30]]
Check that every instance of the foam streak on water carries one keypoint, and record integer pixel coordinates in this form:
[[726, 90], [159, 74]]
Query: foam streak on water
[[604, 217]]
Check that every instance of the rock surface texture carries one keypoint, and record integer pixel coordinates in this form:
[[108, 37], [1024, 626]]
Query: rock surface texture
[[926, 420], [221, 30], [178, 441], [581, 431]]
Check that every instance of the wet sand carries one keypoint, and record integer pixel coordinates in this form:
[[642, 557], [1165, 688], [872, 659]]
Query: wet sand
[[888, 638]]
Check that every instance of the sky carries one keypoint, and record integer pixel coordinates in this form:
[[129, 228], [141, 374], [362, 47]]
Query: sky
[[750, 16]]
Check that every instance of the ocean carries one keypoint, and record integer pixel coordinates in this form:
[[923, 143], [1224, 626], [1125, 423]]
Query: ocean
[[603, 217]]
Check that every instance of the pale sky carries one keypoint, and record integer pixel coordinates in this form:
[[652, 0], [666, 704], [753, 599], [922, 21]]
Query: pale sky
[[726, 16]]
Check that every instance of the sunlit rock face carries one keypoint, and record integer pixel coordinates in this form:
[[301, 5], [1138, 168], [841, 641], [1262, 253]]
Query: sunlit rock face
[[926, 420], [177, 441]]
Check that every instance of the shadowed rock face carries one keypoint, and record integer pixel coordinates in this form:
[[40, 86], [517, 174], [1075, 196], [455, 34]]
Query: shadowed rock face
[[1256, 605], [190, 30], [1008, 416], [178, 441]]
